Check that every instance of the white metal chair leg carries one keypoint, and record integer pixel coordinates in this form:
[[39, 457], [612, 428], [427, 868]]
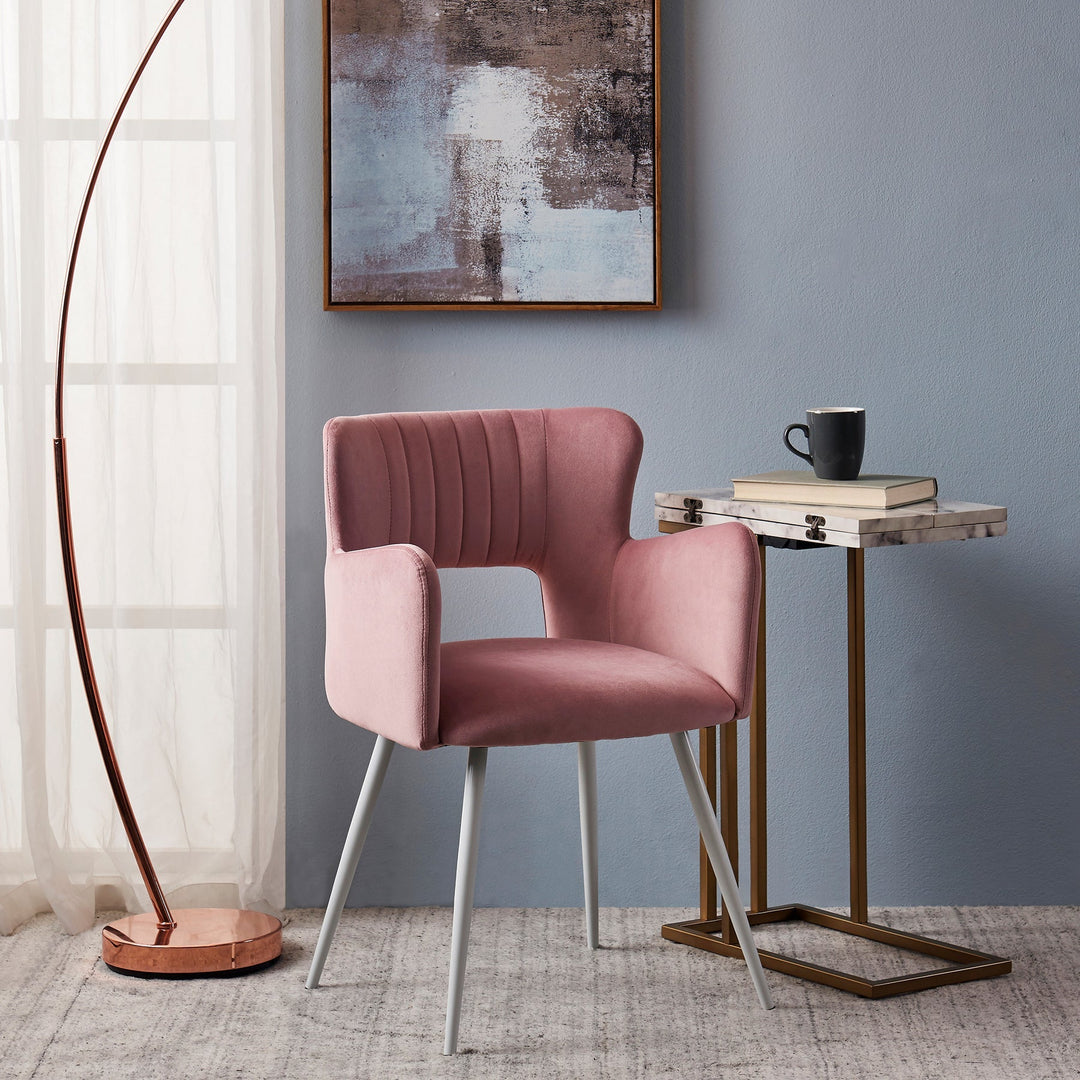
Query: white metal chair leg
[[718, 856], [590, 860], [350, 855], [463, 890]]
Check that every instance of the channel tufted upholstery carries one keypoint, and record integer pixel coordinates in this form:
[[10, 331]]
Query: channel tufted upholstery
[[642, 636], [549, 490]]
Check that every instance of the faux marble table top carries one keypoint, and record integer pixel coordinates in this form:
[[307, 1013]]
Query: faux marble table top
[[840, 526]]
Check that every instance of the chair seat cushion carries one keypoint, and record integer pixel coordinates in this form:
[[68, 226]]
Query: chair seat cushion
[[528, 691]]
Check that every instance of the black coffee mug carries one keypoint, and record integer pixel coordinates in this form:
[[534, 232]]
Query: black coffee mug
[[835, 438]]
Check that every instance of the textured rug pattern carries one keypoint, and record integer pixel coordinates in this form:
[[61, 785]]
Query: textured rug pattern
[[539, 1005]]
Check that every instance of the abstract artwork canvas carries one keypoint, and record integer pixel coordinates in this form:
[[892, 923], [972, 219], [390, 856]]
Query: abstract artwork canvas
[[491, 153]]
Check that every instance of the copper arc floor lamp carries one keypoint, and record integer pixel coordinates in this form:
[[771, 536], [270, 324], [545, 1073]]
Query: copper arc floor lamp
[[193, 941]]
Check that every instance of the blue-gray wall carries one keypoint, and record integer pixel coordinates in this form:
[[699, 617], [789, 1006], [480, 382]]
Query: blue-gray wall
[[863, 203]]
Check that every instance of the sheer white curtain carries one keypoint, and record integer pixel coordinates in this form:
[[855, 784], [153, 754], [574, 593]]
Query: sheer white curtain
[[174, 446]]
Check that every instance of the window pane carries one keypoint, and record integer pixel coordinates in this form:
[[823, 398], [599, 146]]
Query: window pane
[[153, 291], [168, 699], [6, 592], [11, 758], [154, 505], [9, 58], [67, 166], [10, 233], [77, 84]]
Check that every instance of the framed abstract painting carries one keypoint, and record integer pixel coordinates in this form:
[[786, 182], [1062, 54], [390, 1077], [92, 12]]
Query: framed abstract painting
[[491, 154]]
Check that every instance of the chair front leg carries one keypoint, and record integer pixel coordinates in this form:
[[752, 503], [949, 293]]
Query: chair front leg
[[350, 855], [463, 890], [590, 859], [718, 856]]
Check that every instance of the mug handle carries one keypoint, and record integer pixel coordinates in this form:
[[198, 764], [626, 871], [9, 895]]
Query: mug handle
[[787, 441]]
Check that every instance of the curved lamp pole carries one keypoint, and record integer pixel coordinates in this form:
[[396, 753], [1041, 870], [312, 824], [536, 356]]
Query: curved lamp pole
[[185, 942]]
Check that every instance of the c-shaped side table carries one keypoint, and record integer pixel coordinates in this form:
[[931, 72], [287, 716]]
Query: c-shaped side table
[[791, 526]]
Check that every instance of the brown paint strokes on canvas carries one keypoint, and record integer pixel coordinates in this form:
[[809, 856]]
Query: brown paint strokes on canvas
[[597, 58], [584, 91]]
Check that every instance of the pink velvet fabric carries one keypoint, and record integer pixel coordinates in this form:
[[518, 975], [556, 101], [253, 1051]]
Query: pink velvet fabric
[[550, 490], [693, 595], [383, 609], [526, 691]]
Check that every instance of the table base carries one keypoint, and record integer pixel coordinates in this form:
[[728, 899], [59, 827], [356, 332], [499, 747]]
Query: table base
[[713, 930], [964, 964]]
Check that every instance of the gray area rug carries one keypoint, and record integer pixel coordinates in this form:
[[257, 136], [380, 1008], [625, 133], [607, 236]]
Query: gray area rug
[[539, 1005]]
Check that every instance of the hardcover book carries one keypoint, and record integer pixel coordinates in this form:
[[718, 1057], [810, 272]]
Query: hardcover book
[[877, 491]]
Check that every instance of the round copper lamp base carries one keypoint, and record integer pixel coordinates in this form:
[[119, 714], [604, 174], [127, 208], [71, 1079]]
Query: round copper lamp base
[[205, 941]]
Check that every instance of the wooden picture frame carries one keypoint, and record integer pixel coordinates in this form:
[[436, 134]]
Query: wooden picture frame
[[491, 154]]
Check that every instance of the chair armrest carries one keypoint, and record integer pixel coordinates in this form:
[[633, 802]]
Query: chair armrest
[[383, 612], [693, 596]]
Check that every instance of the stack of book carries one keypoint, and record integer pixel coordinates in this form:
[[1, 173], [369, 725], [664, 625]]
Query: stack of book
[[872, 491]]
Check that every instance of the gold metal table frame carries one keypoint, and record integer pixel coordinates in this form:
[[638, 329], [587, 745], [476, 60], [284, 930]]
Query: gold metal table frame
[[714, 932]]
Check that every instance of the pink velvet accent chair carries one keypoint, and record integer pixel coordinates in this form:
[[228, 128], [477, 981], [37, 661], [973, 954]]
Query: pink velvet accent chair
[[644, 637]]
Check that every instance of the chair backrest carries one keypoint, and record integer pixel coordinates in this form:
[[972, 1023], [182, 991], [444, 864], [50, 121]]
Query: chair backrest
[[547, 489]]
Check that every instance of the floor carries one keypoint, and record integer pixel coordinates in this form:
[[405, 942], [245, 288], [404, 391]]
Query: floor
[[539, 1005]]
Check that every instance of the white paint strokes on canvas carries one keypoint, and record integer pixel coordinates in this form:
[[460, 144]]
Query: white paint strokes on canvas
[[548, 254]]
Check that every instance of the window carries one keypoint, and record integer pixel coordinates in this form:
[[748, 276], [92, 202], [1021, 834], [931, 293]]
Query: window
[[170, 429]]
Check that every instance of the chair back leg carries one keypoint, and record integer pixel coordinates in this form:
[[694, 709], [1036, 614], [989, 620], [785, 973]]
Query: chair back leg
[[718, 856], [350, 856], [590, 859], [463, 890]]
